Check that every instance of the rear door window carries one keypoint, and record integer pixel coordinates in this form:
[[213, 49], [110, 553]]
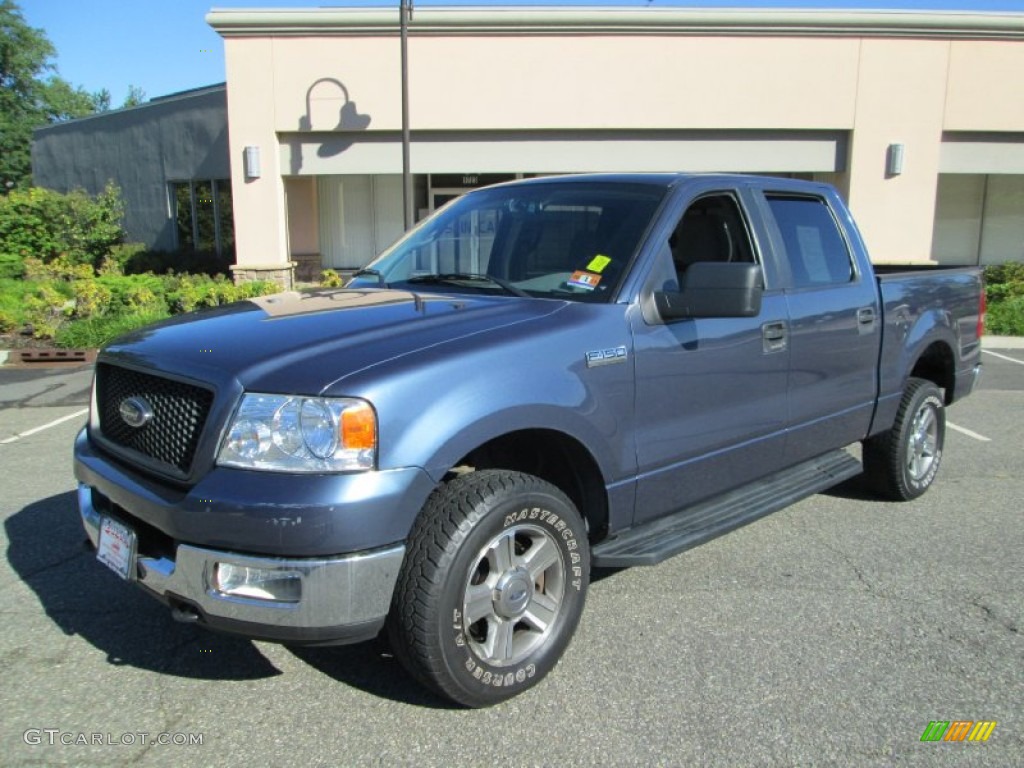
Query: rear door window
[[815, 248]]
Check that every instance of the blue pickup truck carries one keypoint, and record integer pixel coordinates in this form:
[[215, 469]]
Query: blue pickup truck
[[544, 377]]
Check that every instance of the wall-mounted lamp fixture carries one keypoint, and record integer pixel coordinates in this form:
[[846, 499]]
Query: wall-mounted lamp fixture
[[252, 162], [894, 160]]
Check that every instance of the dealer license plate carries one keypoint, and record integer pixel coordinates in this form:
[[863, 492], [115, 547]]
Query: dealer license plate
[[116, 549]]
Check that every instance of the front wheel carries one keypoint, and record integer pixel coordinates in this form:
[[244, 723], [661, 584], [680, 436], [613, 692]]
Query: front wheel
[[492, 586], [901, 463]]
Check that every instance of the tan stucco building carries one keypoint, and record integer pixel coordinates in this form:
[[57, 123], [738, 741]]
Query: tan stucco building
[[917, 117]]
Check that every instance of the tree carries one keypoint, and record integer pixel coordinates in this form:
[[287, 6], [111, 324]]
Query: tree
[[135, 96], [31, 94], [102, 100]]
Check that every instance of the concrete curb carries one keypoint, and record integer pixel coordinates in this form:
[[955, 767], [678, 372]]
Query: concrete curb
[[1002, 342], [45, 357]]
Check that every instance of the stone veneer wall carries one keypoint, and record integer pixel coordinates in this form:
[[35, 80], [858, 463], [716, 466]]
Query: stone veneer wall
[[283, 275], [307, 267]]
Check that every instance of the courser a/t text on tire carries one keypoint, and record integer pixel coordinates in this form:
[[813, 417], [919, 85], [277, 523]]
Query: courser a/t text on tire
[[492, 587]]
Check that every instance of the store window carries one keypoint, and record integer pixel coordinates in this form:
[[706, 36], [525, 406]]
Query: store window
[[203, 215], [360, 216], [979, 219]]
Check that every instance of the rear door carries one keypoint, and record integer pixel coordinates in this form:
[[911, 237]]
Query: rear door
[[834, 324], [711, 393]]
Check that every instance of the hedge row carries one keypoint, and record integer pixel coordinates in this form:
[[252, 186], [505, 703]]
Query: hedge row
[[75, 306], [1004, 289]]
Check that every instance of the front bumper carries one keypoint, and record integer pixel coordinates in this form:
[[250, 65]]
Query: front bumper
[[343, 599], [277, 514]]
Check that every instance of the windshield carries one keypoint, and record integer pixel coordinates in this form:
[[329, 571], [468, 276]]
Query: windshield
[[567, 239]]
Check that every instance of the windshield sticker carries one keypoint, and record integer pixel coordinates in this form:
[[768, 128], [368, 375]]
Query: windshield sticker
[[598, 263], [586, 280]]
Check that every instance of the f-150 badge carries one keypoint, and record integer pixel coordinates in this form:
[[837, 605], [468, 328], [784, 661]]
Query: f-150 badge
[[606, 356]]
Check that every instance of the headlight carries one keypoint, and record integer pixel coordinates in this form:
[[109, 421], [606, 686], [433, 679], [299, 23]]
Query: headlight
[[301, 434]]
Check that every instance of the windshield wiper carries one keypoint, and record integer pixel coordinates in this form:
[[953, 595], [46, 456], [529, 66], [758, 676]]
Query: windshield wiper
[[458, 277], [372, 273]]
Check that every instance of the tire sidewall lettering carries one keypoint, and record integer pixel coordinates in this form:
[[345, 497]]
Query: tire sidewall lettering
[[499, 677], [919, 485], [471, 667]]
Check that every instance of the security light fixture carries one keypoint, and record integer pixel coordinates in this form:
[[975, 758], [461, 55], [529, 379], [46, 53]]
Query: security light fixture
[[252, 162], [894, 160]]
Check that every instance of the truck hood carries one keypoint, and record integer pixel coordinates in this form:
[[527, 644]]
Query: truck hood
[[302, 343]]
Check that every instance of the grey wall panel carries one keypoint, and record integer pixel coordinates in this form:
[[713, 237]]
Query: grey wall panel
[[142, 150]]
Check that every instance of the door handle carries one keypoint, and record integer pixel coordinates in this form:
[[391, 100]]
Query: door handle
[[866, 315], [774, 336]]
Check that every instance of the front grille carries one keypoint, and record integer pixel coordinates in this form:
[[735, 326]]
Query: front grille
[[179, 413]]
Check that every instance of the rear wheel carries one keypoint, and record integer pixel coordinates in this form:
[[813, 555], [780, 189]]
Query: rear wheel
[[901, 463], [492, 586]]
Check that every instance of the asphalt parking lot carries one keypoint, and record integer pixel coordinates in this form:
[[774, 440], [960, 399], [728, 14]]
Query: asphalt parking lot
[[830, 633]]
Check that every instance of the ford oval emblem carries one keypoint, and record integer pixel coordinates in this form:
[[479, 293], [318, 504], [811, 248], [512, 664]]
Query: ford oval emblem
[[136, 412]]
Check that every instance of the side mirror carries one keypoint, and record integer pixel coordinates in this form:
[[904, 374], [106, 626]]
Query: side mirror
[[714, 289]]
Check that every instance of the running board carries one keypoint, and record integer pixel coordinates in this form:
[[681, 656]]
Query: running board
[[660, 539]]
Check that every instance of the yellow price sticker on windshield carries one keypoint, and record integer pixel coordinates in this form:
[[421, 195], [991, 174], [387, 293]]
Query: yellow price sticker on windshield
[[598, 263]]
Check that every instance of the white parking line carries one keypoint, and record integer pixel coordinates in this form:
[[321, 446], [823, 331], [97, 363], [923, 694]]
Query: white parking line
[[53, 423], [968, 432], [1003, 357]]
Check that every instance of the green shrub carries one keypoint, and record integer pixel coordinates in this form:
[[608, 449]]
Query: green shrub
[[123, 253], [1004, 289], [134, 293], [188, 292], [255, 288], [11, 265], [1010, 272], [46, 309], [43, 224], [12, 297], [1006, 317], [1004, 281], [62, 302], [60, 268], [331, 279], [171, 262], [91, 298], [184, 293], [97, 331]]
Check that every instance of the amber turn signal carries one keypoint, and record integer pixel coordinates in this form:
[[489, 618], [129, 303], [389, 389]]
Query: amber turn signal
[[359, 428]]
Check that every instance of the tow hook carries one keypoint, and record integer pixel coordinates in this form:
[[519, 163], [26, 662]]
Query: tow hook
[[186, 614]]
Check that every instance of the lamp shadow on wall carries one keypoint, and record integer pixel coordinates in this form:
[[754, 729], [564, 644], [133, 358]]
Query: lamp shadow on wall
[[323, 97]]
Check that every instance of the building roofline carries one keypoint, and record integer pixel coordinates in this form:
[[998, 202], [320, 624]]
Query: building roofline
[[190, 93], [246, 22], [187, 93]]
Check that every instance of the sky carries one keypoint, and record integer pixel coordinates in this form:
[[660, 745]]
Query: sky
[[166, 46]]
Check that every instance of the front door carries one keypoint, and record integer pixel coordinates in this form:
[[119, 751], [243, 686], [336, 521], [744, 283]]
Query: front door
[[711, 393]]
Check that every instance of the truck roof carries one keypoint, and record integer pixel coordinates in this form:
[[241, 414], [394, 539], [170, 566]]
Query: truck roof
[[666, 179]]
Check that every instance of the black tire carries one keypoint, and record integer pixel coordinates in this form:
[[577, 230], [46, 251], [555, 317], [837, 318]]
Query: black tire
[[492, 587], [901, 463]]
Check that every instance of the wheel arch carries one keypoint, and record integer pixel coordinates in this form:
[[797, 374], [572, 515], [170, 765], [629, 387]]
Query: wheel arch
[[936, 365], [552, 455]]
